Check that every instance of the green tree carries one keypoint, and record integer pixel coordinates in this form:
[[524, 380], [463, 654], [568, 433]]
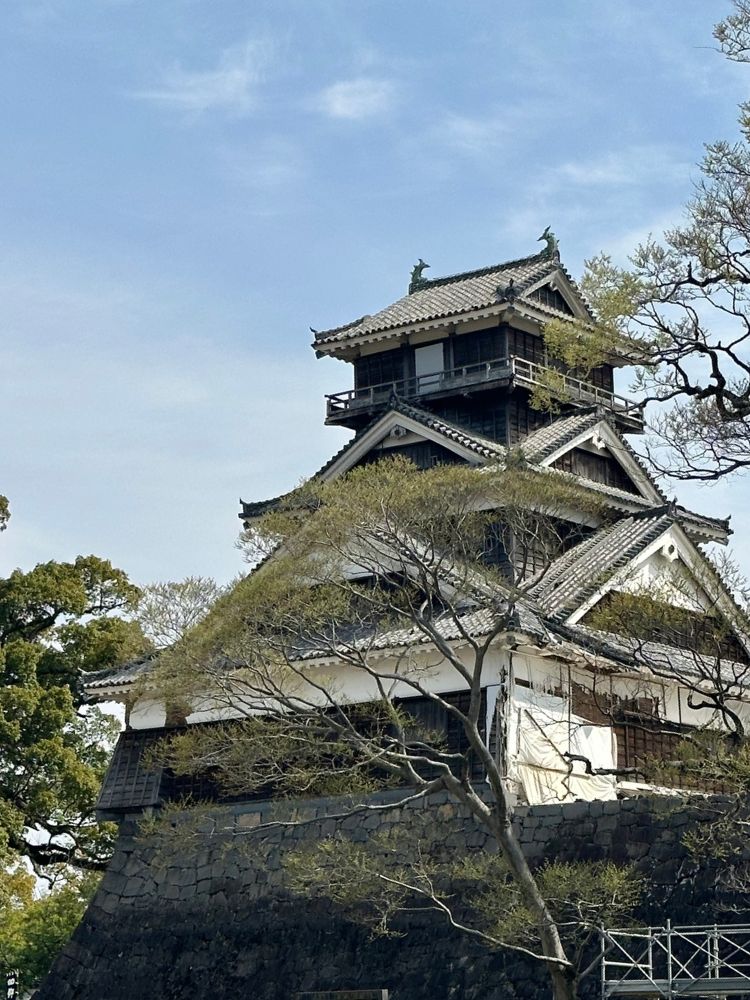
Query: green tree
[[442, 556], [33, 928], [681, 309], [58, 621]]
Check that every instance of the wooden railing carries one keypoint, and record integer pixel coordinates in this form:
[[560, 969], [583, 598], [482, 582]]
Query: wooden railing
[[573, 389], [522, 372], [418, 385]]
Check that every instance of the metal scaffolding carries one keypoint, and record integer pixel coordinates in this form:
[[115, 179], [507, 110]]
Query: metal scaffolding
[[700, 961]]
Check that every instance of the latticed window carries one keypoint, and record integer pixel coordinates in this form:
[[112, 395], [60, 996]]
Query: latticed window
[[377, 369], [475, 348]]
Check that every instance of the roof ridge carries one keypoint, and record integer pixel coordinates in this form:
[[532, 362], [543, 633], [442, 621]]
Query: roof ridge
[[427, 283]]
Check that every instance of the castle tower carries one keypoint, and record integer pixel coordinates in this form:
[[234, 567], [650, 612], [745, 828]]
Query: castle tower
[[470, 348]]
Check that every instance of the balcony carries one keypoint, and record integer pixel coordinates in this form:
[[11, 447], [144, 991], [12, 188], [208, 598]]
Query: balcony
[[341, 407]]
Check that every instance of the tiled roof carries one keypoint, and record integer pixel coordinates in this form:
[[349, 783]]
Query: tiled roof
[[536, 447], [658, 657], [476, 623], [450, 296], [120, 676], [715, 528], [545, 441], [575, 576], [483, 446]]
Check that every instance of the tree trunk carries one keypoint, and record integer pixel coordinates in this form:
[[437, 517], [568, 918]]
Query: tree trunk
[[561, 973], [499, 819], [563, 983]]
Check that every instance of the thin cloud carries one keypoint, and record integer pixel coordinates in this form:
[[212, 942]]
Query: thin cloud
[[273, 163], [626, 167], [364, 97], [231, 86], [475, 136]]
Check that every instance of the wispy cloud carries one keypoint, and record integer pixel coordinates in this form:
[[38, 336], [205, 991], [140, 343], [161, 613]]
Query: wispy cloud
[[629, 166], [231, 86], [364, 97]]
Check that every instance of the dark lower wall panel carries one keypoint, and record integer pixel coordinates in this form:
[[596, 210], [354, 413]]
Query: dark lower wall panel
[[209, 916]]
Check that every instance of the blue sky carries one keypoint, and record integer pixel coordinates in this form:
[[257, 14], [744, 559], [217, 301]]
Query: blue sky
[[188, 185]]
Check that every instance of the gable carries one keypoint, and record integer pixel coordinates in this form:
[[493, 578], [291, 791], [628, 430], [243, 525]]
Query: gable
[[408, 429], [599, 453], [598, 466], [552, 299], [670, 571], [423, 452], [557, 292]]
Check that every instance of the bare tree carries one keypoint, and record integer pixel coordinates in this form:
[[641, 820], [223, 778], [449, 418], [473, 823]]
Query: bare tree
[[166, 611]]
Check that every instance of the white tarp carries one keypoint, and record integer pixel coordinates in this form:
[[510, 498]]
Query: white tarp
[[541, 731]]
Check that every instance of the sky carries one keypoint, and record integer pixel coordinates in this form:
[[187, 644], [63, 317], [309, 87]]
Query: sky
[[189, 185]]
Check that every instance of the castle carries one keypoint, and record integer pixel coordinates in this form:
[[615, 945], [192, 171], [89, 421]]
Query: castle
[[447, 375]]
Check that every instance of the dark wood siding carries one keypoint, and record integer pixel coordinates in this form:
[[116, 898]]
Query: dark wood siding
[[598, 468], [645, 742], [423, 454], [526, 345], [523, 419], [551, 298], [602, 377], [487, 416]]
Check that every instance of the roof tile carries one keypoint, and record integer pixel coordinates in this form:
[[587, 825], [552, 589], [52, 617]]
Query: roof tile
[[575, 576]]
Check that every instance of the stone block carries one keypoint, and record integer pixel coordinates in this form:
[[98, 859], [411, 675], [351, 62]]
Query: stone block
[[577, 810], [248, 821]]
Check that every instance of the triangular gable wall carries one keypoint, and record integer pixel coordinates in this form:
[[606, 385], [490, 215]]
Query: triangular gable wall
[[395, 430], [604, 442], [557, 285], [670, 569], [552, 298]]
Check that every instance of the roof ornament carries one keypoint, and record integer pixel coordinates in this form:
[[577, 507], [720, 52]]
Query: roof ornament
[[552, 248], [417, 281], [508, 294]]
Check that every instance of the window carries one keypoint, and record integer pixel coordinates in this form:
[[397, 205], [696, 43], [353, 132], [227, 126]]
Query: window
[[475, 348], [428, 363], [377, 369]]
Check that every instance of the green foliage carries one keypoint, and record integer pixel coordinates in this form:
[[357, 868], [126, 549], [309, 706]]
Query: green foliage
[[57, 621], [581, 895], [679, 310], [34, 929], [378, 881], [615, 295], [310, 754], [645, 614], [405, 532]]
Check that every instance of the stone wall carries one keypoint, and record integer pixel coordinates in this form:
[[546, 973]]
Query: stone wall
[[211, 918]]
